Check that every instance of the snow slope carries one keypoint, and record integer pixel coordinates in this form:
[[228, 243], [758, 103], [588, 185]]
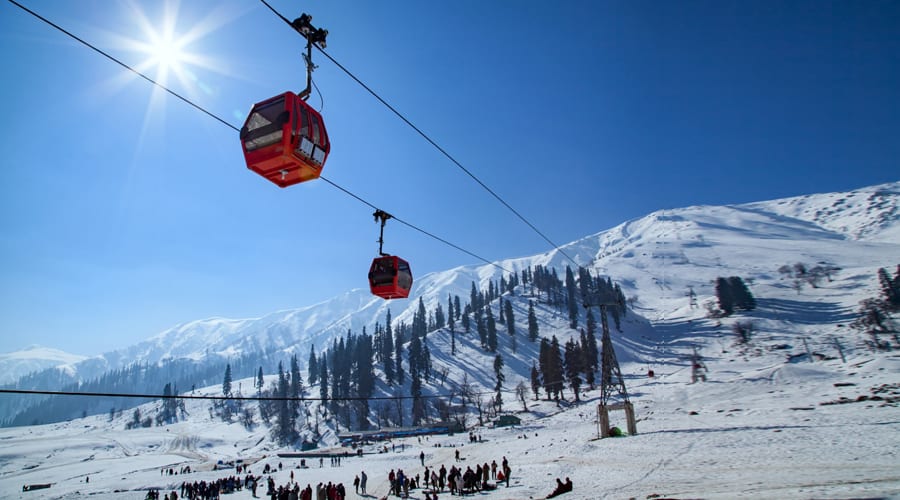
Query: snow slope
[[804, 410], [759, 428], [857, 229], [34, 358]]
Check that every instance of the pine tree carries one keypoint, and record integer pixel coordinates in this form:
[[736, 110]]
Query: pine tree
[[587, 361], [260, 382], [426, 358], [388, 350], [535, 381], [742, 297], [452, 325], [556, 374], [398, 354], [481, 327], [533, 330], [416, 362], [474, 298], [592, 351], [725, 296], [169, 409], [364, 376], [890, 288], [420, 320], [573, 359], [510, 323], [323, 382], [296, 389], [313, 366], [439, 318], [498, 371], [545, 366], [451, 318], [285, 422], [571, 298], [226, 382], [491, 331], [465, 319]]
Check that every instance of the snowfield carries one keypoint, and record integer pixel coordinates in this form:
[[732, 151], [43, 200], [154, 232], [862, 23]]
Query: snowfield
[[756, 429], [806, 409]]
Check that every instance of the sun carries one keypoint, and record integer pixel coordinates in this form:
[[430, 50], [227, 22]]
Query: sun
[[166, 51], [166, 54], [165, 39], [169, 45]]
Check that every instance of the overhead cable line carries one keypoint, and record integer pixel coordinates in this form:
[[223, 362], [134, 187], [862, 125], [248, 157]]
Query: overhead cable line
[[237, 129], [210, 397], [218, 398], [427, 138], [410, 225]]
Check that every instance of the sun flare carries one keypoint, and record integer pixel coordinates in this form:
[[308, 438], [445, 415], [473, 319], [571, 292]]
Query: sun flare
[[166, 53], [166, 39]]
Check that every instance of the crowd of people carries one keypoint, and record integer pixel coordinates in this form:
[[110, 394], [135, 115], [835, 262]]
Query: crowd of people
[[292, 491], [212, 490], [458, 479], [455, 480]]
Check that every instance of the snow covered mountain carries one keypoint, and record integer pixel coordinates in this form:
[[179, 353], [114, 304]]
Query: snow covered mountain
[[656, 259], [34, 358], [807, 408]]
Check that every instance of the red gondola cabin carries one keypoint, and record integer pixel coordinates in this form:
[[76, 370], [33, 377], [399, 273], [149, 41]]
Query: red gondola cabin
[[390, 277], [284, 140]]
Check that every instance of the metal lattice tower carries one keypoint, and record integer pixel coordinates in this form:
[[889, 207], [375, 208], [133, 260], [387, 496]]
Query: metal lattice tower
[[611, 380]]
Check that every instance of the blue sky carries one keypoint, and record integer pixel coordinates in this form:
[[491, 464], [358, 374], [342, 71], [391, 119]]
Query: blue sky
[[124, 211]]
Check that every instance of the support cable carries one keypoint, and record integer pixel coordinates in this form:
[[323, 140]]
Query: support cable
[[429, 140], [237, 129]]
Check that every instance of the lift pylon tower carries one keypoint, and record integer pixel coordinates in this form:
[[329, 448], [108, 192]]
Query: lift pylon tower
[[611, 375], [611, 380]]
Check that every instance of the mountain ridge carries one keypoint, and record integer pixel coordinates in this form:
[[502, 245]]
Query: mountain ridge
[[644, 253]]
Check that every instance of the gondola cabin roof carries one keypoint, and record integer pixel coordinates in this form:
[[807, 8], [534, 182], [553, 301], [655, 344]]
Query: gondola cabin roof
[[284, 140]]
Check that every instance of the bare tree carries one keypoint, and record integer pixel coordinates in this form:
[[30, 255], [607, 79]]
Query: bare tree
[[521, 393], [442, 373], [466, 391], [480, 407], [743, 330]]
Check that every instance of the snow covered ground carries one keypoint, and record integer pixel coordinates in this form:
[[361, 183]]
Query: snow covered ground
[[758, 428], [771, 421]]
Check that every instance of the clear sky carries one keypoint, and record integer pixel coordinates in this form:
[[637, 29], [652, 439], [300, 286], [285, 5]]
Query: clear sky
[[124, 211]]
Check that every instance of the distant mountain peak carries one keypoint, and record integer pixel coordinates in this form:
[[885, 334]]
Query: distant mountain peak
[[15, 365], [655, 257]]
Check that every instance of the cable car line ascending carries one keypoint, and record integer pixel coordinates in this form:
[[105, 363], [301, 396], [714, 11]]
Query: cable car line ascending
[[427, 138], [390, 276], [236, 129]]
